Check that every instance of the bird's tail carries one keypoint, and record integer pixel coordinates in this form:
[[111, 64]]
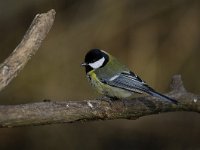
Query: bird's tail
[[156, 94]]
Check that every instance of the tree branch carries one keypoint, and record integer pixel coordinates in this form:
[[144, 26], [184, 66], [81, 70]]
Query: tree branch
[[50, 112], [29, 45]]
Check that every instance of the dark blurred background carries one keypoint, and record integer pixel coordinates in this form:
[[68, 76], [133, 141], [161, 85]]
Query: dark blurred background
[[155, 38]]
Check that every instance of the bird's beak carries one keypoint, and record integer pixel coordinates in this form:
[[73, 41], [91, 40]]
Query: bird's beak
[[84, 64]]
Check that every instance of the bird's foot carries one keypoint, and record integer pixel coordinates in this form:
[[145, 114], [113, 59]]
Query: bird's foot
[[107, 99], [124, 102]]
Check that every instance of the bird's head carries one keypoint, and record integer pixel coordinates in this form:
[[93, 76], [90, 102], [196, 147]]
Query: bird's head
[[94, 59]]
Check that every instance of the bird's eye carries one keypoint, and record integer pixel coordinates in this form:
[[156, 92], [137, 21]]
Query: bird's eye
[[94, 60]]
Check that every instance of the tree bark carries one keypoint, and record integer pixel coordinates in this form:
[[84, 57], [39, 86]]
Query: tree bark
[[29, 45], [51, 112]]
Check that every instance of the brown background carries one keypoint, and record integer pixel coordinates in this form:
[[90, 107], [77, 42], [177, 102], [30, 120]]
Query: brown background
[[155, 38]]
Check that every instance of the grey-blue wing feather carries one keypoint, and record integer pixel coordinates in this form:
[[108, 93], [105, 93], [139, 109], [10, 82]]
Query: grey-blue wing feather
[[128, 81], [131, 82]]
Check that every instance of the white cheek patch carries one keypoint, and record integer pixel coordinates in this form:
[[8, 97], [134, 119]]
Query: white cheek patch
[[97, 64]]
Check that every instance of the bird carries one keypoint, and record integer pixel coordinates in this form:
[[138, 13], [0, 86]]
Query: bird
[[113, 79]]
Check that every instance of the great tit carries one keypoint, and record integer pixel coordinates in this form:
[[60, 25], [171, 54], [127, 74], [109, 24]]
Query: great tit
[[113, 79]]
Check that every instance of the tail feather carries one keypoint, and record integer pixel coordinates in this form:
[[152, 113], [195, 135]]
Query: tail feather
[[156, 94]]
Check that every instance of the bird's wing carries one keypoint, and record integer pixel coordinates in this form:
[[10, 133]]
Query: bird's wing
[[128, 81], [131, 82]]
